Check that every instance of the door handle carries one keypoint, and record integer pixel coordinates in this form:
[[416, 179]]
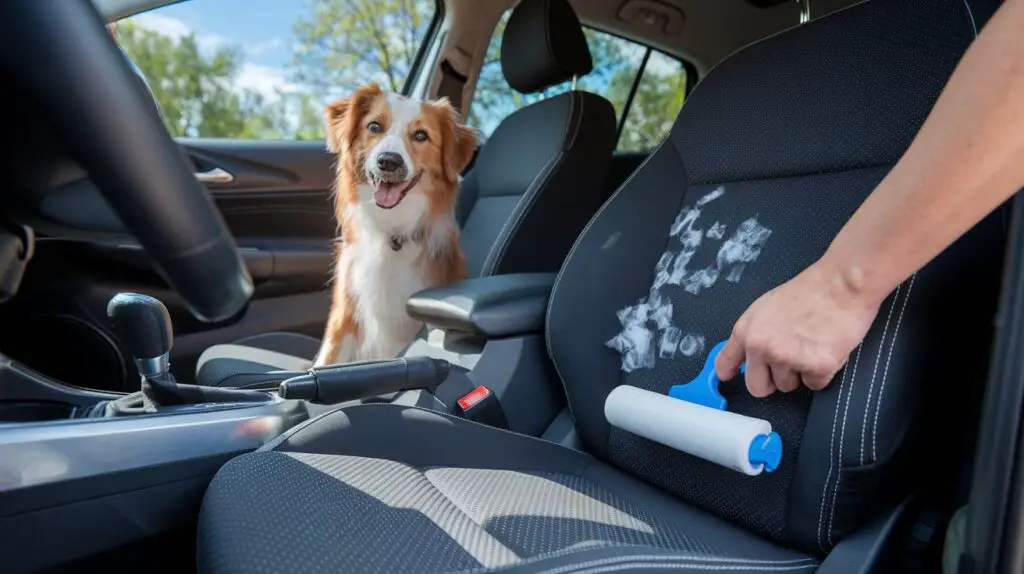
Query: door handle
[[215, 175]]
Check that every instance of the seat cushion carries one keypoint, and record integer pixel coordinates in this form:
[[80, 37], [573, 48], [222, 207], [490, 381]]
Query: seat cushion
[[249, 359], [385, 488]]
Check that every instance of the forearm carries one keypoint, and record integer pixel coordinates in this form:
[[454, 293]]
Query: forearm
[[967, 159]]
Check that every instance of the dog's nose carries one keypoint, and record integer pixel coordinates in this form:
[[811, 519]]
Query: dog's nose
[[389, 161]]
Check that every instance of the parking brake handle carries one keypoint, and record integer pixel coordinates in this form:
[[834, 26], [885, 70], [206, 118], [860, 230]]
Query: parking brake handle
[[338, 383]]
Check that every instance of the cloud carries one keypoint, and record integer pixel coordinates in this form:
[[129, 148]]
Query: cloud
[[662, 65], [267, 80], [174, 28], [264, 47]]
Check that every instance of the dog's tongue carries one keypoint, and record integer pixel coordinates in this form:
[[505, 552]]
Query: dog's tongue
[[387, 194]]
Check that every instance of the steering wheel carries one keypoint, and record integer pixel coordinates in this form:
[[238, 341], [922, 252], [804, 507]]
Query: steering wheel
[[67, 65]]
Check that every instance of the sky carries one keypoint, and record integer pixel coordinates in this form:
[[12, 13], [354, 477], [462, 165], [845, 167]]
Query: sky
[[261, 28]]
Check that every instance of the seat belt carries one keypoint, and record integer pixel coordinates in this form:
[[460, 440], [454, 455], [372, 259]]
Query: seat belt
[[452, 83]]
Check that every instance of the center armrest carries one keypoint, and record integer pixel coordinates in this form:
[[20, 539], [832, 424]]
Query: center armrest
[[495, 306]]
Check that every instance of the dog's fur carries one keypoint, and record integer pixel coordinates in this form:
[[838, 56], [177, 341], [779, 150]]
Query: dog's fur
[[425, 149]]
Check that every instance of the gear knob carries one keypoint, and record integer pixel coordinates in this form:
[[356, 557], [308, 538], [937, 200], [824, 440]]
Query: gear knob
[[143, 324]]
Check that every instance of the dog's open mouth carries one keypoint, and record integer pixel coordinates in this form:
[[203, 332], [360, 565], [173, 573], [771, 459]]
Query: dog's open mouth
[[389, 194]]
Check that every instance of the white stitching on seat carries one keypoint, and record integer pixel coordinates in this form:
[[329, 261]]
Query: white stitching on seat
[[498, 249], [691, 566], [842, 437], [724, 560], [662, 562], [885, 373], [831, 459], [874, 372], [970, 14]]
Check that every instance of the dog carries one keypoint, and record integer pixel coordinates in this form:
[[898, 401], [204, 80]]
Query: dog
[[397, 174]]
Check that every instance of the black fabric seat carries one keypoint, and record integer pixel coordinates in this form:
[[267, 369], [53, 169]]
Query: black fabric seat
[[744, 193], [535, 184]]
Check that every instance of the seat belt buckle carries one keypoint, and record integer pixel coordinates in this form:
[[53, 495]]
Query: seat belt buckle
[[481, 405]]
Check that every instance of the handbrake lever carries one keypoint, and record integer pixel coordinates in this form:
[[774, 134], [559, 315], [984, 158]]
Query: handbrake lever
[[339, 383]]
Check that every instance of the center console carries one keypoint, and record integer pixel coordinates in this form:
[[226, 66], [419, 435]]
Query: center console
[[84, 471], [99, 470]]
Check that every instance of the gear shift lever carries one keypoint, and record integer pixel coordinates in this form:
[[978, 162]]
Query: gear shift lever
[[143, 324]]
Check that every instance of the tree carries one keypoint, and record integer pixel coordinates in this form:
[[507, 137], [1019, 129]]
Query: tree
[[345, 43], [198, 97], [340, 44], [658, 99]]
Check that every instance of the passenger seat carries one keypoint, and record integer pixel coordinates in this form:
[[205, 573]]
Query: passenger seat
[[534, 186]]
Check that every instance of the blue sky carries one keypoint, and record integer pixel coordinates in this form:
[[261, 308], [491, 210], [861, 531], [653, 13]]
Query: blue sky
[[261, 28]]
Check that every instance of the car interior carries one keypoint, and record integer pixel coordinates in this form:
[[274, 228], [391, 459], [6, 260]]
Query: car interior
[[161, 297]]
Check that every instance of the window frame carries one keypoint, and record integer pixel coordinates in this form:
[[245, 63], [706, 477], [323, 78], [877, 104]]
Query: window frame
[[429, 38], [688, 67]]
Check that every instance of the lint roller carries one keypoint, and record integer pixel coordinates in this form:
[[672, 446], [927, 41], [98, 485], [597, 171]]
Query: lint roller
[[693, 419]]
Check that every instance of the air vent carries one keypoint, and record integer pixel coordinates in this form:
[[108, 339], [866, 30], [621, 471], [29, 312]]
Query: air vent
[[652, 15]]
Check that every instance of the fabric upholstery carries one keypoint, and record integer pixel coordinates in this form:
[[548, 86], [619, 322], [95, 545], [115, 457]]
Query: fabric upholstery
[[535, 185], [458, 497], [533, 188], [707, 224], [745, 193], [226, 366], [543, 45]]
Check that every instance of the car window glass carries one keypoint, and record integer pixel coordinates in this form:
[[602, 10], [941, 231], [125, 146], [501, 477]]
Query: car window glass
[[264, 69]]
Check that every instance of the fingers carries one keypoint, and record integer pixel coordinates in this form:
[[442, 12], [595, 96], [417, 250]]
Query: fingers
[[759, 376], [785, 378], [730, 358]]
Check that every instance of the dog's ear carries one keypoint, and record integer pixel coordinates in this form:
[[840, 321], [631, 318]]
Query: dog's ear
[[459, 144], [334, 123], [340, 115]]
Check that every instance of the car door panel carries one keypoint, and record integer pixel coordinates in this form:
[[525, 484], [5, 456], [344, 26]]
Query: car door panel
[[278, 205]]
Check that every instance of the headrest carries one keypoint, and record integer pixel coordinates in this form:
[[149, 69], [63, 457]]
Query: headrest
[[543, 45]]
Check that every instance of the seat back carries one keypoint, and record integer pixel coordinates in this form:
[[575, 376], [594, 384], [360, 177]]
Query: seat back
[[771, 155], [541, 175]]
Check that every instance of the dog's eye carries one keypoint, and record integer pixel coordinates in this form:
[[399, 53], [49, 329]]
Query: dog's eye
[[374, 127], [420, 136]]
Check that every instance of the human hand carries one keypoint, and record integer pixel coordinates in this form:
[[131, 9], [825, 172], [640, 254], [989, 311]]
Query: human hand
[[801, 332]]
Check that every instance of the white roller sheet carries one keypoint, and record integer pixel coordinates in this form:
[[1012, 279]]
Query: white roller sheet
[[718, 436]]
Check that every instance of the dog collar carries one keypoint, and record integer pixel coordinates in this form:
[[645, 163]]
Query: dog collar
[[399, 241]]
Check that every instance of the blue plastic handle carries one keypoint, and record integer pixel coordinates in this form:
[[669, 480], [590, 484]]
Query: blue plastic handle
[[703, 389]]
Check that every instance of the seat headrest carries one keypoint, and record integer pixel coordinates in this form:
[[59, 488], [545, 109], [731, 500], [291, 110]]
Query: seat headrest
[[543, 45]]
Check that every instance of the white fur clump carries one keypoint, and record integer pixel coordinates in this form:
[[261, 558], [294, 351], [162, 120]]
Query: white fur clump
[[648, 332]]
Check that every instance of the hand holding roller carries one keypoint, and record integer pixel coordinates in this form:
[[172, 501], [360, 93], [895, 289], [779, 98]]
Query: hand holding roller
[[693, 419]]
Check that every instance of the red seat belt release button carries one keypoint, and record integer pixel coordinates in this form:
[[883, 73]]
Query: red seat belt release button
[[473, 398], [481, 405]]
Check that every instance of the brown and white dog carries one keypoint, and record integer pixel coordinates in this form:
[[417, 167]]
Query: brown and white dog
[[399, 161]]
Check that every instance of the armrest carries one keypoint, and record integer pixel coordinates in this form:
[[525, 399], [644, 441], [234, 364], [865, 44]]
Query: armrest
[[495, 306]]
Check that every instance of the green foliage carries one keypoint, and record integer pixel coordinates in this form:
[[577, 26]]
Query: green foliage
[[340, 44], [345, 43]]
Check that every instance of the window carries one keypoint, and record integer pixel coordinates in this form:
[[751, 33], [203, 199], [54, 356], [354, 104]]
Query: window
[[264, 69], [659, 96], [644, 117]]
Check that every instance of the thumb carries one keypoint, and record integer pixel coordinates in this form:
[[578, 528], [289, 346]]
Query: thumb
[[729, 359]]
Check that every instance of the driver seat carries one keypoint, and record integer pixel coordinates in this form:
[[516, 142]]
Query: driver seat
[[769, 158]]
